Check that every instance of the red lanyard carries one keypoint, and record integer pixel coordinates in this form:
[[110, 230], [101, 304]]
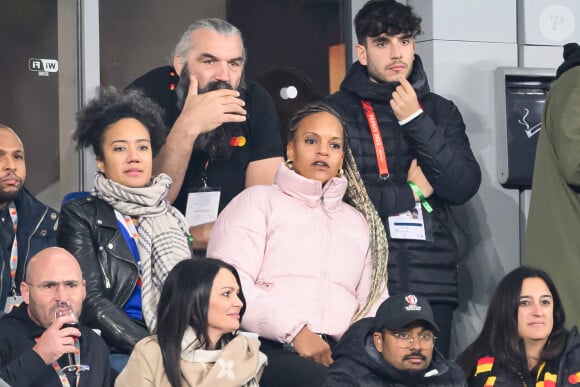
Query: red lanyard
[[14, 251], [377, 139]]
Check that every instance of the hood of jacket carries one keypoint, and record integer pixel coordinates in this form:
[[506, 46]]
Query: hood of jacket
[[311, 192], [357, 82], [571, 58], [19, 317], [357, 345]]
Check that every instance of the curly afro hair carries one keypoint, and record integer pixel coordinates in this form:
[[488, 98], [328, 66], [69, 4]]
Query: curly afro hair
[[111, 106]]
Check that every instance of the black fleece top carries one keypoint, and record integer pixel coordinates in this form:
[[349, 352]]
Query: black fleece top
[[21, 366]]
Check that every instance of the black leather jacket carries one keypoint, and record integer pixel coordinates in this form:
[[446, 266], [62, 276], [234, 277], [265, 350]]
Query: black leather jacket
[[88, 229]]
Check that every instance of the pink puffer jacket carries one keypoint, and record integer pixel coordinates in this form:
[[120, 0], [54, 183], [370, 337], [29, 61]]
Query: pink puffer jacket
[[302, 254]]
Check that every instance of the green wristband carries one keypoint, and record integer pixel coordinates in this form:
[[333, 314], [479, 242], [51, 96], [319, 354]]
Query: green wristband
[[422, 197]]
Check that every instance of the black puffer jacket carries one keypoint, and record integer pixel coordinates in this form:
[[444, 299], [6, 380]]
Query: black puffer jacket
[[438, 141], [358, 364], [88, 229]]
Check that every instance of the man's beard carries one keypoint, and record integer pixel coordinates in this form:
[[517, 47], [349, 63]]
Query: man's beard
[[7, 197], [217, 141], [414, 376]]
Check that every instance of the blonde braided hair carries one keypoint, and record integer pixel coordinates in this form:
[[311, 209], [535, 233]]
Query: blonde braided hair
[[357, 196]]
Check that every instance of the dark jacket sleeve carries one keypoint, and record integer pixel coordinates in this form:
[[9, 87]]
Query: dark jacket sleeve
[[444, 153], [340, 375], [389, 196], [24, 370], [76, 233], [339, 379]]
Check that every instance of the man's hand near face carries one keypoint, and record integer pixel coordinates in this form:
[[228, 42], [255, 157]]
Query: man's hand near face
[[404, 102], [201, 113], [55, 341], [205, 112]]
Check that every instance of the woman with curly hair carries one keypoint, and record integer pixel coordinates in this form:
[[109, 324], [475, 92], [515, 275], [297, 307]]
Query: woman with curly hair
[[126, 235]]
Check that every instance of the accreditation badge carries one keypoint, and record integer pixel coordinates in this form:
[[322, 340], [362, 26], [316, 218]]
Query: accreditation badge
[[202, 206], [11, 303], [408, 225]]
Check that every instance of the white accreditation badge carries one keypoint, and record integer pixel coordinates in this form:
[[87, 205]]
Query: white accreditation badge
[[408, 225], [202, 206], [11, 302]]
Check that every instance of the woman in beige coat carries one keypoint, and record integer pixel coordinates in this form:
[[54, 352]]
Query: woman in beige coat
[[197, 343]]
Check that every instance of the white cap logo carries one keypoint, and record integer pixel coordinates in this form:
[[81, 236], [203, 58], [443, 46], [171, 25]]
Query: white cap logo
[[412, 301]]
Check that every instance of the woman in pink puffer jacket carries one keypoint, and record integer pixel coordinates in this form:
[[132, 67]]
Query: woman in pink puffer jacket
[[310, 264]]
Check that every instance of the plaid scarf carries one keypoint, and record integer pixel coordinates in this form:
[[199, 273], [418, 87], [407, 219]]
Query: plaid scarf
[[162, 235]]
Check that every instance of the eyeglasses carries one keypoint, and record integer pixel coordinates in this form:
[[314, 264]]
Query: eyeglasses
[[51, 287], [405, 339]]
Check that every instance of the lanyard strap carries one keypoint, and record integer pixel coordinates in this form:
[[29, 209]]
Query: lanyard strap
[[382, 155], [61, 374], [14, 251], [377, 139], [129, 226]]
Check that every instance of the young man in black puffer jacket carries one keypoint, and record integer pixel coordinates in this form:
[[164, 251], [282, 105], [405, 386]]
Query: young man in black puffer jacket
[[412, 152]]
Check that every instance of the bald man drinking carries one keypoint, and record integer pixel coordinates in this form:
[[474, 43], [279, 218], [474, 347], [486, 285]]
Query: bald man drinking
[[35, 341]]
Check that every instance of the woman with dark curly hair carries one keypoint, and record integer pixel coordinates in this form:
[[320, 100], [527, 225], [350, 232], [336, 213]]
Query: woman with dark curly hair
[[126, 235], [523, 341]]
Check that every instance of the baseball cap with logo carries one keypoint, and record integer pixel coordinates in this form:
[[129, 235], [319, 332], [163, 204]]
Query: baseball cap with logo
[[398, 311]]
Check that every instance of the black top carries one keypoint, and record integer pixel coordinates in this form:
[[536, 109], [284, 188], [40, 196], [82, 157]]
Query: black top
[[21, 366], [357, 363], [261, 131]]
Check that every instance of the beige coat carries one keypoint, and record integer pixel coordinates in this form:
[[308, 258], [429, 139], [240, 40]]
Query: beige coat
[[240, 363]]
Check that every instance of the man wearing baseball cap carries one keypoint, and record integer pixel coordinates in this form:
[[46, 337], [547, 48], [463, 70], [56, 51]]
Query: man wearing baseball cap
[[395, 348]]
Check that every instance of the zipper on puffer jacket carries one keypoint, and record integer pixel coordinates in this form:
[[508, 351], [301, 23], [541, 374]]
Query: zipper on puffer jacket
[[323, 206]]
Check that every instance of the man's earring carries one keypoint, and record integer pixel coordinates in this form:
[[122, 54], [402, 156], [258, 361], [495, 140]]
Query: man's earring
[[290, 164]]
